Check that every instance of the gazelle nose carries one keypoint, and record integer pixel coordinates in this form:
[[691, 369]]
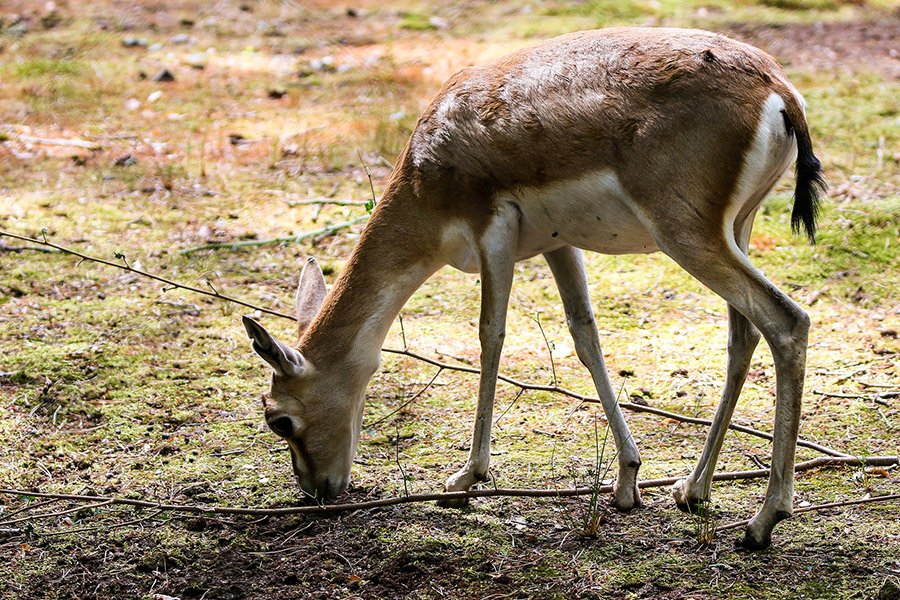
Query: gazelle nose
[[283, 426]]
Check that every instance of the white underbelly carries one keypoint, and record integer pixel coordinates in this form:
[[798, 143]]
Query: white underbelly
[[591, 212]]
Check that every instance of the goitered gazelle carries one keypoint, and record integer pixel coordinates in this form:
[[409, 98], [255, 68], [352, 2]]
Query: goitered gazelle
[[617, 141]]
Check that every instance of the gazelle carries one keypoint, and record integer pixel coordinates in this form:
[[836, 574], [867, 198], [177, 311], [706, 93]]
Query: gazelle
[[618, 141]]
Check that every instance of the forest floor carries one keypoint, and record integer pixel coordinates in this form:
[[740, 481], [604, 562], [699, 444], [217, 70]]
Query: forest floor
[[214, 122]]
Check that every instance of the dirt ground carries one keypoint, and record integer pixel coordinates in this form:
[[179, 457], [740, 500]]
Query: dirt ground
[[113, 385]]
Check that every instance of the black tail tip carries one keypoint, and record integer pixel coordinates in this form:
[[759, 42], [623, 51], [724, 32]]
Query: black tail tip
[[811, 186]]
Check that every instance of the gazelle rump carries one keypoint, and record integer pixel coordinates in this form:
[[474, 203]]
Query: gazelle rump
[[615, 141]]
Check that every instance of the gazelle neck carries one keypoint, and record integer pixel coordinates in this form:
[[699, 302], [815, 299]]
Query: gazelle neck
[[393, 258]]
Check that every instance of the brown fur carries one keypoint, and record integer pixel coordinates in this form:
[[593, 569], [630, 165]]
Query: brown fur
[[668, 96]]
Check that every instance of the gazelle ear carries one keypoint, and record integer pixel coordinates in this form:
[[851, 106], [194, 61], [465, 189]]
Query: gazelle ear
[[286, 361], [310, 294]]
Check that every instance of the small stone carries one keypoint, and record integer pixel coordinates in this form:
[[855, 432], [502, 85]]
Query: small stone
[[126, 161], [277, 93], [439, 23], [324, 64], [132, 104], [164, 76], [134, 42], [197, 60], [181, 38]]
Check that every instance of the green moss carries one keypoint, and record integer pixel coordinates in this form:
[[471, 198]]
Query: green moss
[[44, 67], [416, 22]]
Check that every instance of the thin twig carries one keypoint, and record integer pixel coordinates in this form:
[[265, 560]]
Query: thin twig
[[101, 527], [817, 507], [407, 403], [326, 201], [879, 397], [5, 248], [511, 404], [627, 405], [31, 506], [174, 284], [73, 143], [370, 206], [397, 460], [821, 461], [55, 514], [288, 239], [876, 385], [537, 319]]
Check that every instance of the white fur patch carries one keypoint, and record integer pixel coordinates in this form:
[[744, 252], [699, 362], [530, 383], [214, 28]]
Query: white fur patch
[[769, 155], [592, 212]]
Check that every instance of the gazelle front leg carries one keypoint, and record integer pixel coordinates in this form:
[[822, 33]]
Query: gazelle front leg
[[568, 270], [497, 255]]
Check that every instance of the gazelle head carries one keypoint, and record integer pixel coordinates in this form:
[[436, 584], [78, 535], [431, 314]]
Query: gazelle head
[[316, 409]]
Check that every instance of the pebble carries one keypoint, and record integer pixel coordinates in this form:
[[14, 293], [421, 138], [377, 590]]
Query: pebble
[[134, 42], [164, 76], [196, 60]]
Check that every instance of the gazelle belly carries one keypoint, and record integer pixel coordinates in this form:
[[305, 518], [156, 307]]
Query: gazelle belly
[[591, 212]]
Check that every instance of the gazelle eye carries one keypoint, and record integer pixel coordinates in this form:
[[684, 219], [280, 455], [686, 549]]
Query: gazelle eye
[[283, 426]]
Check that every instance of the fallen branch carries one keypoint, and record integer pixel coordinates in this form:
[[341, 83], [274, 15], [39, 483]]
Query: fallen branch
[[288, 239], [55, 514], [484, 493], [879, 397], [817, 507], [5, 248], [73, 143], [442, 365], [326, 201]]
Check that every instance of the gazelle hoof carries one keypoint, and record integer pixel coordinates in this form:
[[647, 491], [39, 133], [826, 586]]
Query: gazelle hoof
[[753, 541], [684, 500], [626, 498], [453, 502]]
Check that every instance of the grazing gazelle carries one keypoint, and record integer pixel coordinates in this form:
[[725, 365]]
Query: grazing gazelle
[[616, 141]]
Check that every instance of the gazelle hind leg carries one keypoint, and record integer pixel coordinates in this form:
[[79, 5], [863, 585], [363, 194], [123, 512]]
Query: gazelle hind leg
[[497, 254], [690, 493], [785, 326], [568, 269]]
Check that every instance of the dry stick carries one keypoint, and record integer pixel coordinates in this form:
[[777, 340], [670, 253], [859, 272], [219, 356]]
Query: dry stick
[[102, 527], [5, 248], [407, 403], [816, 507], [128, 267], [326, 201], [55, 514], [279, 240], [74, 143], [628, 405], [878, 397], [32, 506], [484, 493], [451, 367]]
